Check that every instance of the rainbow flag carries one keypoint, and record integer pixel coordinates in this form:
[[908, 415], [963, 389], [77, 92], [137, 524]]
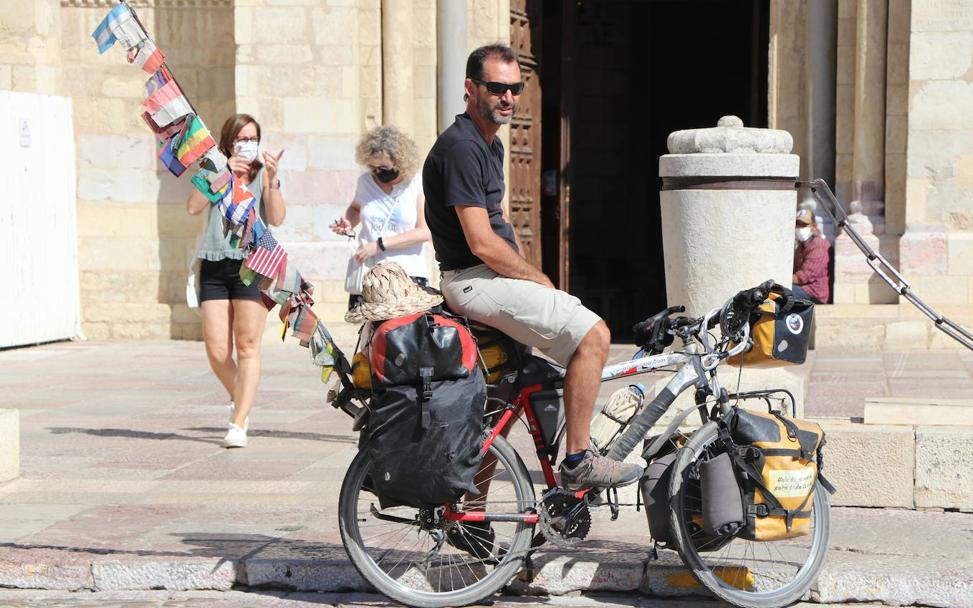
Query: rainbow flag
[[196, 142]]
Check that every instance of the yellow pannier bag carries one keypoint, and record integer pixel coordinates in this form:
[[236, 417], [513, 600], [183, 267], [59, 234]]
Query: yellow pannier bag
[[361, 372], [778, 458], [499, 353], [780, 330]]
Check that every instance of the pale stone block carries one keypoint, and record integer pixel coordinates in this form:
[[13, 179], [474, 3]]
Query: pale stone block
[[95, 331], [369, 28], [906, 335], [942, 16], [128, 185], [851, 337], [320, 260], [335, 26], [294, 148], [116, 220], [335, 55], [332, 153], [246, 78], [6, 77], [964, 170], [138, 330], [114, 312], [324, 215], [118, 254], [319, 115], [960, 248], [272, 25], [918, 411], [870, 466], [944, 467], [300, 81], [281, 53], [243, 25], [942, 289], [298, 226], [942, 105], [940, 55], [118, 152], [923, 251], [9, 444]]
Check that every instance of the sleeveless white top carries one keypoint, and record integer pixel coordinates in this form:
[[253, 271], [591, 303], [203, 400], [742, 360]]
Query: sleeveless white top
[[384, 215]]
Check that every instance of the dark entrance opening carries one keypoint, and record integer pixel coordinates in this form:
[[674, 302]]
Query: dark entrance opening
[[643, 69]]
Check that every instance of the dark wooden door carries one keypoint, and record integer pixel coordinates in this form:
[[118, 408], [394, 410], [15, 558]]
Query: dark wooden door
[[525, 130]]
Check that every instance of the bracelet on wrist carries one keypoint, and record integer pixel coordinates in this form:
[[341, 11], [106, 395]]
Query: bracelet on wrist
[[275, 185], [381, 245]]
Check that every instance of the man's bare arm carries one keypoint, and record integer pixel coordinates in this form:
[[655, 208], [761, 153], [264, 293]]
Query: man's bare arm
[[493, 250]]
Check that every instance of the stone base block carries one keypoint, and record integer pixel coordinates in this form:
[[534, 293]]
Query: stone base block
[[871, 466], [915, 411], [944, 468], [9, 444]]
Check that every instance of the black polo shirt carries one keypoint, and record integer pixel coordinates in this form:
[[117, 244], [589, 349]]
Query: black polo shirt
[[462, 169]]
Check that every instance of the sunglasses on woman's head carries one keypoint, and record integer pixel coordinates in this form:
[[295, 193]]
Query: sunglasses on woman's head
[[500, 88]]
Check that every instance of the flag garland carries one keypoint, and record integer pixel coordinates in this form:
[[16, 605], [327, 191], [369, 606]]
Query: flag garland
[[184, 139]]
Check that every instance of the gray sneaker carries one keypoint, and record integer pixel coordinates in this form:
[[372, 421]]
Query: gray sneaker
[[596, 471]]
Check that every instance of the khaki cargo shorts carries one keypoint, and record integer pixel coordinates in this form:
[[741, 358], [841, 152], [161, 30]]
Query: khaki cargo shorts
[[548, 319]]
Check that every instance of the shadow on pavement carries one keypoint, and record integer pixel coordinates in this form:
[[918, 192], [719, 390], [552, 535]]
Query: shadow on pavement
[[282, 434], [130, 434]]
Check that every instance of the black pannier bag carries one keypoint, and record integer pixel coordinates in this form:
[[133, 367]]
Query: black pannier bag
[[425, 432]]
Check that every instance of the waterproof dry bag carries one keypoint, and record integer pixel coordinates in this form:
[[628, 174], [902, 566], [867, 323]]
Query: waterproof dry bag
[[780, 330]]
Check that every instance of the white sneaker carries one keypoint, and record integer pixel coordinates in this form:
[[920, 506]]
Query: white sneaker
[[236, 437], [246, 421]]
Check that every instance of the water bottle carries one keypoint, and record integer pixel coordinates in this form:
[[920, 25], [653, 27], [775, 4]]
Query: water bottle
[[618, 410]]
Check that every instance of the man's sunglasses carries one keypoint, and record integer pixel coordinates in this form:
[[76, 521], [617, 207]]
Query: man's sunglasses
[[500, 88]]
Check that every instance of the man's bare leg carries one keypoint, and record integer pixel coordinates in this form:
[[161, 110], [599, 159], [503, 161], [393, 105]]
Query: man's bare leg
[[581, 385]]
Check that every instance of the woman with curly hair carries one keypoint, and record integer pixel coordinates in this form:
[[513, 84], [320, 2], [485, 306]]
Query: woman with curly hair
[[388, 208]]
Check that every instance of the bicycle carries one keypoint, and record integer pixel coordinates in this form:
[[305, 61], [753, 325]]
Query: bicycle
[[461, 553]]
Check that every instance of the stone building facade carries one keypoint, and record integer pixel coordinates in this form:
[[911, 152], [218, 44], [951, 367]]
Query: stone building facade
[[878, 95]]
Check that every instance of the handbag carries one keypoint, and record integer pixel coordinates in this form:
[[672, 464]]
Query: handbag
[[356, 271]]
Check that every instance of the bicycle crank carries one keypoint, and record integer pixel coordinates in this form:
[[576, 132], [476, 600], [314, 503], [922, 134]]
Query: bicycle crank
[[564, 518]]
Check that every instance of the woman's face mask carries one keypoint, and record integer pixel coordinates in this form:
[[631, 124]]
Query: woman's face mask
[[803, 233], [386, 175], [247, 150]]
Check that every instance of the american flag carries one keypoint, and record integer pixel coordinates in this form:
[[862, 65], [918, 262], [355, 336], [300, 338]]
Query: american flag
[[267, 258]]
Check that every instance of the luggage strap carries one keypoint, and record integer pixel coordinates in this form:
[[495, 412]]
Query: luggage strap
[[775, 507], [424, 395]]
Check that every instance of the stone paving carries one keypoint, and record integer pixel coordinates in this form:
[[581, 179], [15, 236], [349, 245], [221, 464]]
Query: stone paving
[[124, 486]]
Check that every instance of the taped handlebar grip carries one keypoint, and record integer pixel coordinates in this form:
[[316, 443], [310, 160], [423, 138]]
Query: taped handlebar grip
[[641, 424]]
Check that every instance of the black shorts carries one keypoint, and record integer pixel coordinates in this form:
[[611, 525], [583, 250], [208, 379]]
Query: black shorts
[[221, 281]]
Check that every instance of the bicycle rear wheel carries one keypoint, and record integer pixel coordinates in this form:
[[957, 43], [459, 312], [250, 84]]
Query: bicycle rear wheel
[[767, 574], [412, 561]]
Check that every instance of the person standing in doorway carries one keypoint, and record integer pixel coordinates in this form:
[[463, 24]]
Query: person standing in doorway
[[484, 274], [233, 313]]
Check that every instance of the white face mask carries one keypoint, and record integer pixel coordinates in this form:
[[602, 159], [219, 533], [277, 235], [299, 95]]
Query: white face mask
[[247, 150], [803, 234]]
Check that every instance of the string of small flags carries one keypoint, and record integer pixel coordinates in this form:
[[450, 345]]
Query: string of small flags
[[183, 139]]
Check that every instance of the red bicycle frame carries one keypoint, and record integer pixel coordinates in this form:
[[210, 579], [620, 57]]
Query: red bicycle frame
[[521, 402]]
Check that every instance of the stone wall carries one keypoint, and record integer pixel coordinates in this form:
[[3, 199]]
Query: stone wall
[[316, 75], [937, 248]]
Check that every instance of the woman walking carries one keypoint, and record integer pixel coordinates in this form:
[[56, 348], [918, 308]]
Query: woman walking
[[233, 313]]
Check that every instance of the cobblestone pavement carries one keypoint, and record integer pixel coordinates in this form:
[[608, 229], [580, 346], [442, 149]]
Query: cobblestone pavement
[[271, 599]]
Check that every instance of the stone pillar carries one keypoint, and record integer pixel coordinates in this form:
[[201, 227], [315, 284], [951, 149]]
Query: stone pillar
[[732, 233], [728, 221], [854, 280], [451, 53], [398, 82], [819, 134]]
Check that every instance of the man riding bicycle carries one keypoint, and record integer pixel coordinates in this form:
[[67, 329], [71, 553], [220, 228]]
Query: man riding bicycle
[[484, 275]]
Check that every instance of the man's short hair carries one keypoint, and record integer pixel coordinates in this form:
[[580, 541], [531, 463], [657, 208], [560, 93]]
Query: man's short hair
[[474, 64]]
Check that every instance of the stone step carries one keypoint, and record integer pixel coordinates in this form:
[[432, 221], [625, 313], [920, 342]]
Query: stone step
[[912, 467], [917, 411], [862, 327], [9, 444]]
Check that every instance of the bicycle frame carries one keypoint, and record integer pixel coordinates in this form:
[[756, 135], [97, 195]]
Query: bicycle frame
[[693, 367]]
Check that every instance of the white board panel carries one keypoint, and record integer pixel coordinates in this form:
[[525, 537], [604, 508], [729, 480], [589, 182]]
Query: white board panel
[[39, 290]]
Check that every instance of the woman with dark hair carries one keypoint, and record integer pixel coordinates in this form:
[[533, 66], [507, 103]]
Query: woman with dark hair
[[233, 313]]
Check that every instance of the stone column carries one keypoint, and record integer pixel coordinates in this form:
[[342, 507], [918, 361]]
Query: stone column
[[819, 133], [854, 280], [451, 53], [398, 83], [728, 206]]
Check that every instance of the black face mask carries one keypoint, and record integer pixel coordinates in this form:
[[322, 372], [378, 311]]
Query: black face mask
[[386, 175]]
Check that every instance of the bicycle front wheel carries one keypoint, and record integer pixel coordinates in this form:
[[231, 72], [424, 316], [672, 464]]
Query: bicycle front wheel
[[751, 574], [433, 564]]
